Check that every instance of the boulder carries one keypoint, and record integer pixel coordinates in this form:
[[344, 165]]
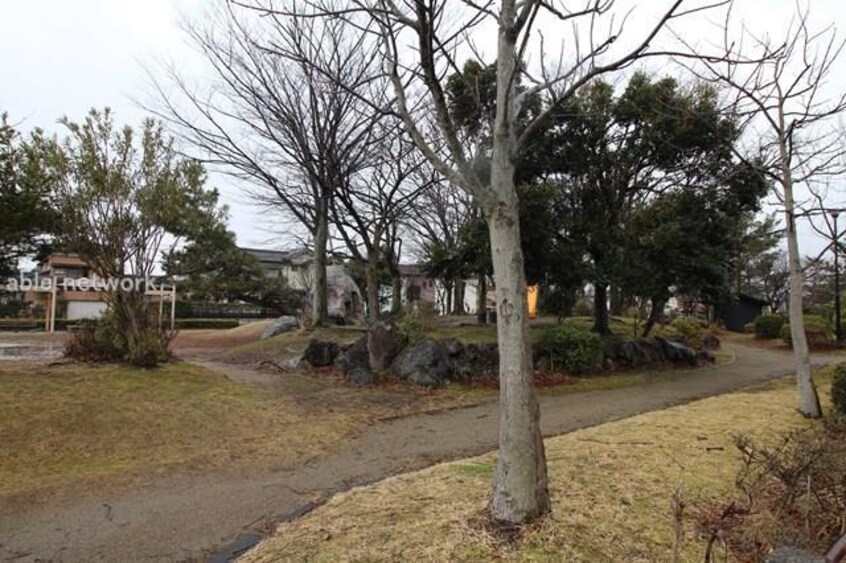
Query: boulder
[[319, 353], [677, 352], [453, 346], [710, 342], [382, 345], [425, 362], [343, 298], [285, 323], [636, 352], [360, 376], [475, 361], [354, 356]]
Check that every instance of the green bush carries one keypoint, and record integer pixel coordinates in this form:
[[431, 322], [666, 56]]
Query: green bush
[[838, 389], [690, 331], [96, 341], [221, 324], [573, 348], [818, 331], [410, 327], [768, 326]]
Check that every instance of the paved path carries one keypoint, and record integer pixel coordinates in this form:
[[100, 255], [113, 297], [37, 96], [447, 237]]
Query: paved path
[[191, 516]]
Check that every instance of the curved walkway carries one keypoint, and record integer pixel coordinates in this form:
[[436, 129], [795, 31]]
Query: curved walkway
[[188, 517]]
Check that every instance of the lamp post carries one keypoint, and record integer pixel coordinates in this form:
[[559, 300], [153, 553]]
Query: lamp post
[[838, 327]]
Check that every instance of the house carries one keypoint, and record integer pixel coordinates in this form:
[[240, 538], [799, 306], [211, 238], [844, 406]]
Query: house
[[420, 290], [417, 288], [293, 265], [73, 303], [65, 286]]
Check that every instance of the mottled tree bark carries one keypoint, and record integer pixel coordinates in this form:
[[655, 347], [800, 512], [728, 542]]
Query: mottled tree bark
[[520, 490]]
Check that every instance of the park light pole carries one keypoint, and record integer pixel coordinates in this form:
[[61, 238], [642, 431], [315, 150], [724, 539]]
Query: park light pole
[[838, 324]]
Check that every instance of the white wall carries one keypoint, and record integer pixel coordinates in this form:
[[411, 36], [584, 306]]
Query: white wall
[[85, 310]]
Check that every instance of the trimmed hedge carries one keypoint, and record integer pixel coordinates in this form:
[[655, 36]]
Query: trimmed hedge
[[818, 331], [220, 324], [838, 389], [574, 348], [768, 326]]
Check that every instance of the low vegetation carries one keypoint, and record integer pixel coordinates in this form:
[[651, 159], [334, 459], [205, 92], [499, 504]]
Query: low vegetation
[[66, 424], [768, 327], [612, 491], [818, 331], [571, 348]]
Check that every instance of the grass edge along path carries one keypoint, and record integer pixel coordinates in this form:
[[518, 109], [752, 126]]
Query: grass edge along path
[[611, 488]]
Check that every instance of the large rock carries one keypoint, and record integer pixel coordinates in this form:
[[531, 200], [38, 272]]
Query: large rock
[[425, 362], [637, 352], [710, 342], [354, 363], [319, 353], [677, 352], [286, 323], [382, 344], [477, 361], [343, 298], [361, 377]]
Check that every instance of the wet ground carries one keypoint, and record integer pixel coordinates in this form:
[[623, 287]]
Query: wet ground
[[16, 349]]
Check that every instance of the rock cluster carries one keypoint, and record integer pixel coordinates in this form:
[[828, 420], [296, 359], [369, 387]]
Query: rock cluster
[[431, 363]]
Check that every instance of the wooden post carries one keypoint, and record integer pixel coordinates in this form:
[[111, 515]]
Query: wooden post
[[161, 309], [173, 307], [53, 294]]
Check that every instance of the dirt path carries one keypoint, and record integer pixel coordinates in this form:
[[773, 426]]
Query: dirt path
[[186, 516]]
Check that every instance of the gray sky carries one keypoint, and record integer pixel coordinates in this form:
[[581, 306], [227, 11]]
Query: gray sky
[[62, 57]]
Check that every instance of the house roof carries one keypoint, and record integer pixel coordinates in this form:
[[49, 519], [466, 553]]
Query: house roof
[[411, 270], [296, 256]]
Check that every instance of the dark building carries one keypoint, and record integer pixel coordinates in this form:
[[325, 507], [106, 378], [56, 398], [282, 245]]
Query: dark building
[[740, 311]]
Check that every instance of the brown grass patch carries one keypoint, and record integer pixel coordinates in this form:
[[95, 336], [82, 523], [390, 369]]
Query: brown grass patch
[[612, 488], [65, 424]]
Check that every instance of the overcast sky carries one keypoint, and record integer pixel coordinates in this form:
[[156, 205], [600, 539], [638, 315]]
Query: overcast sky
[[62, 57]]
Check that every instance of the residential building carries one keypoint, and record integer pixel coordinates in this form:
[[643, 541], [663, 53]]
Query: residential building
[[293, 265]]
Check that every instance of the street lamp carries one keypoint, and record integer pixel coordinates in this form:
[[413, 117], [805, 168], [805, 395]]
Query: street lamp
[[838, 327]]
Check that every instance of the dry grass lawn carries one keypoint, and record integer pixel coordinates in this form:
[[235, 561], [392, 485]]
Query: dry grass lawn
[[611, 492], [66, 424]]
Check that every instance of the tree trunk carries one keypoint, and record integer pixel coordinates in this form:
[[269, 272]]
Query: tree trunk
[[371, 280], [319, 309], [458, 301], [600, 309], [396, 294], [809, 402], [482, 300], [655, 311], [520, 492], [448, 299]]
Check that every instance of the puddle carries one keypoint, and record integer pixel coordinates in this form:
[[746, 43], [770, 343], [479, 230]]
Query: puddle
[[29, 351]]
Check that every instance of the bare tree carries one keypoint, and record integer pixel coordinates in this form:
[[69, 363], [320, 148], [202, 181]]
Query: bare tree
[[419, 41], [271, 119], [441, 212], [781, 91], [368, 211]]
